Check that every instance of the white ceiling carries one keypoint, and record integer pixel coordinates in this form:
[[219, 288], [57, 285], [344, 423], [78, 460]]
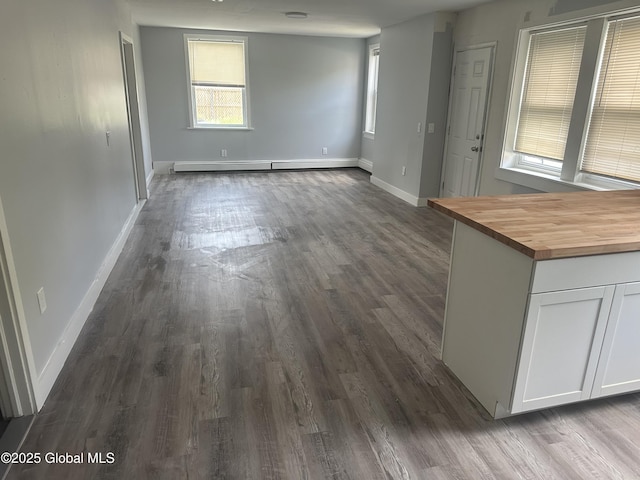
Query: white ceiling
[[340, 18]]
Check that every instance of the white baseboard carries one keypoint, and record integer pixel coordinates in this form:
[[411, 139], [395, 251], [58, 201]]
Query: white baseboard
[[365, 164], [165, 168], [314, 163], [56, 361], [401, 194]]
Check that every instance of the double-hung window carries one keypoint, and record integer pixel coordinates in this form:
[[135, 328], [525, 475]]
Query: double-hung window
[[547, 97], [575, 105], [217, 71], [612, 145], [372, 90]]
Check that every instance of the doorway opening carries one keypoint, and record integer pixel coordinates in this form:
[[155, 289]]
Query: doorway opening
[[133, 113]]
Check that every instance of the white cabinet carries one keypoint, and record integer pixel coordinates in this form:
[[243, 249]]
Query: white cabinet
[[524, 334], [579, 344], [619, 367], [563, 334]]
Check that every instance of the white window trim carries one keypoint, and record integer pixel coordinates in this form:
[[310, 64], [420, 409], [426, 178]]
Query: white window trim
[[512, 169], [370, 134], [192, 125]]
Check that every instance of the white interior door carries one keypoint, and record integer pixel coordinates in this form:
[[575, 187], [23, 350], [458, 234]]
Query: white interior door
[[467, 111]]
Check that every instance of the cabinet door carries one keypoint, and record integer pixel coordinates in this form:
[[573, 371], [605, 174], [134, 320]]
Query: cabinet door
[[561, 344], [619, 367]]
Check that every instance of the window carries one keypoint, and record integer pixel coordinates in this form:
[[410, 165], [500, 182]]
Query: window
[[218, 81], [577, 98], [372, 90], [550, 86], [613, 140]]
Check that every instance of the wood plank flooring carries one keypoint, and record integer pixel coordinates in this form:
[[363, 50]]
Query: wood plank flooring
[[287, 325]]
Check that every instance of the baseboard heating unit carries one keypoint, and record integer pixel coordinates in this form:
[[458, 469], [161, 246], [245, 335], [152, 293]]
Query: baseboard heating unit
[[263, 165]]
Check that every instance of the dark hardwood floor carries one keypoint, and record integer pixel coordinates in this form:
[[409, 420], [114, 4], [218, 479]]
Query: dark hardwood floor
[[287, 325]]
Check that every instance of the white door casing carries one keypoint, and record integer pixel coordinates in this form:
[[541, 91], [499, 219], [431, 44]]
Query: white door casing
[[17, 397], [471, 81], [133, 114]]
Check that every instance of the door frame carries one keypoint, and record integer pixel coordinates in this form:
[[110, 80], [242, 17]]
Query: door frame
[[487, 106], [17, 367], [127, 54]]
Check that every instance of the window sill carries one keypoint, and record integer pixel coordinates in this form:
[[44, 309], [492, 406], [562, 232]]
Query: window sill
[[369, 135], [217, 127], [540, 181]]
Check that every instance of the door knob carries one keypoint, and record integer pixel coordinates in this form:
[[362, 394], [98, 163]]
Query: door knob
[[475, 149]]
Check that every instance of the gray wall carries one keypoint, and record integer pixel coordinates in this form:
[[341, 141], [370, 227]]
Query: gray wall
[[437, 108], [305, 94], [66, 194], [500, 22], [404, 89]]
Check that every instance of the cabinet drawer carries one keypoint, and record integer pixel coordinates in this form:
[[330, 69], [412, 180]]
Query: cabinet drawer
[[584, 272]]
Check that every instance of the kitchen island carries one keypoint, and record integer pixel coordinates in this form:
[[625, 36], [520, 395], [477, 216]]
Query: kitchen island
[[543, 302]]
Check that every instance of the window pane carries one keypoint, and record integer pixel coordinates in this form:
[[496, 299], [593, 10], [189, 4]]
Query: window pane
[[613, 140], [553, 64], [372, 90], [219, 105]]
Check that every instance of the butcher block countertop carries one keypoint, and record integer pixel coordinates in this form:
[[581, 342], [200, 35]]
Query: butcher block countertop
[[553, 225]]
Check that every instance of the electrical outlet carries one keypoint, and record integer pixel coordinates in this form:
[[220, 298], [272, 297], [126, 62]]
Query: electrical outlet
[[108, 135], [431, 128], [404, 171], [42, 300], [223, 152], [325, 150]]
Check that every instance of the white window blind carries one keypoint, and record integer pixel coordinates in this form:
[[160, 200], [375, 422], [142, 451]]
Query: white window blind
[[372, 90], [551, 76], [613, 140], [218, 82], [216, 63]]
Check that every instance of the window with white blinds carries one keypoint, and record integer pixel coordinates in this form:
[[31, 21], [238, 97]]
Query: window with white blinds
[[372, 89], [575, 105], [551, 76], [217, 76], [613, 140]]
